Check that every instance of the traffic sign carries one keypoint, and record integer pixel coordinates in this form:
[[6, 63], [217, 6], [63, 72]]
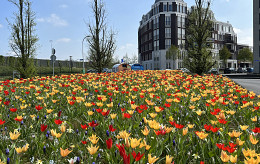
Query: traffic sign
[[53, 58], [53, 51]]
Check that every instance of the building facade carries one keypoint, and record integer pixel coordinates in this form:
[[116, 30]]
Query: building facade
[[224, 35], [161, 27], [164, 25], [256, 35]]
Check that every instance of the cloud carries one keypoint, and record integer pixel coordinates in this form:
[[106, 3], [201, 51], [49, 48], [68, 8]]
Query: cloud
[[126, 46], [237, 30], [1, 26], [64, 40], [244, 36], [55, 20], [64, 6]]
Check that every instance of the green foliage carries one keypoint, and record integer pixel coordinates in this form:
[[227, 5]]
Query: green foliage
[[23, 40], [172, 52], [198, 31], [224, 54], [245, 55], [2, 59]]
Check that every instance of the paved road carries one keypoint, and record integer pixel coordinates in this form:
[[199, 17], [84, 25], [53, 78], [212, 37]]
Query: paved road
[[250, 84]]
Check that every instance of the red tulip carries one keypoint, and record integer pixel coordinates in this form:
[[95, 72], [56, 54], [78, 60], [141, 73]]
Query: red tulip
[[2, 122], [93, 124], [13, 109], [138, 156], [84, 142], [84, 126], [58, 122], [43, 127], [127, 115], [38, 107], [111, 128], [109, 143]]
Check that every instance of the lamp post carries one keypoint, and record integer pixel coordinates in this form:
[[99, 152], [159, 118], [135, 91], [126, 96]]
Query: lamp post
[[83, 53]]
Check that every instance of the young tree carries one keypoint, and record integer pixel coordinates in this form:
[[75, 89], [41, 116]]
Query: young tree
[[126, 59], [172, 54], [245, 55], [101, 41], [23, 40], [134, 59], [224, 54], [198, 31]]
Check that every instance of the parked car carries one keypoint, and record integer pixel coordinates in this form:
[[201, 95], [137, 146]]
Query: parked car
[[213, 71], [229, 70], [92, 71], [241, 70], [250, 70], [185, 70]]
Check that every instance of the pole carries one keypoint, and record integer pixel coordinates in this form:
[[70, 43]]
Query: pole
[[83, 53]]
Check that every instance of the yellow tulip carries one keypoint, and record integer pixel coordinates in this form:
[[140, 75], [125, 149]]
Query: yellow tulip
[[127, 144], [113, 116], [202, 135], [14, 135], [168, 159], [49, 111], [168, 129], [244, 127], [19, 150], [185, 131], [92, 149], [233, 159], [135, 142], [224, 157], [239, 142], [152, 159], [190, 126], [123, 135], [145, 131], [234, 134], [94, 139], [90, 113], [254, 119], [253, 140], [62, 128], [65, 152], [153, 115]]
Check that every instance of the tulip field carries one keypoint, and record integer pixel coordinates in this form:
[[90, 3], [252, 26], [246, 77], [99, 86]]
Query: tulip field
[[128, 117]]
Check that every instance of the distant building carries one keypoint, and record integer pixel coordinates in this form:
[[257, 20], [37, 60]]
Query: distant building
[[256, 35], [161, 27], [164, 25], [239, 48]]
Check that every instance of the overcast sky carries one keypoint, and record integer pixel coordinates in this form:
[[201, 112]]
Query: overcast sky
[[64, 22]]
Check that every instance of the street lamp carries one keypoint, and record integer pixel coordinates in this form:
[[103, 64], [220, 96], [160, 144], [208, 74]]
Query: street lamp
[[83, 53]]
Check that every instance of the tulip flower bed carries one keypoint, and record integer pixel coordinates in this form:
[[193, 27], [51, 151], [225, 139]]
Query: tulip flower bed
[[128, 117]]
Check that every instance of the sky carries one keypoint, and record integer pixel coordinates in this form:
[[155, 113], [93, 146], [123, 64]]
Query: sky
[[64, 24]]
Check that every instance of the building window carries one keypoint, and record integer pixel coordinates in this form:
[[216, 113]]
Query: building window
[[167, 32], [165, 8], [170, 7], [181, 8], [168, 21], [167, 43]]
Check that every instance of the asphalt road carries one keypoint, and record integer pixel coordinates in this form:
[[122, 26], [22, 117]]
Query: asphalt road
[[249, 84]]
